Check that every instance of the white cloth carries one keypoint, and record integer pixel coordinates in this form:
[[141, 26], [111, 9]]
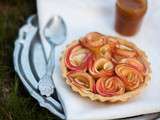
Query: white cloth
[[83, 16]]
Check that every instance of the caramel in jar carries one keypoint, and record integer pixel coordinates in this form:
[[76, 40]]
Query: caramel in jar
[[129, 15]]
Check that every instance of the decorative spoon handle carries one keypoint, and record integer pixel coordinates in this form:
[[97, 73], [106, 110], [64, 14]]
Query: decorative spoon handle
[[46, 83]]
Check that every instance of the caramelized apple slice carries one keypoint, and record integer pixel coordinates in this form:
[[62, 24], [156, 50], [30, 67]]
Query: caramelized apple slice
[[134, 63], [107, 49], [110, 86], [82, 81], [93, 41], [101, 67], [77, 58], [125, 52], [130, 76]]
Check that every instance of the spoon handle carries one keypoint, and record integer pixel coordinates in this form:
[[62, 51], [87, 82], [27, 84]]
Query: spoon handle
[[51, 61]]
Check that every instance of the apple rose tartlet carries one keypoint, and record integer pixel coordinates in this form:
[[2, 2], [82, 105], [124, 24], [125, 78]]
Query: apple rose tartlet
[[105, 68]]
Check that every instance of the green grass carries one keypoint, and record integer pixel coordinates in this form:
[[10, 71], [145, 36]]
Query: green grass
[[15, 102]]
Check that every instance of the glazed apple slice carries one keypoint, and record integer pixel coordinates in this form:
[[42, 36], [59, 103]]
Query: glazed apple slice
[[134, 63], [130, 76], [125, 50], [101, 67], [105, 51], [93, 41], [82, 81], [112, 86], [77, 58]]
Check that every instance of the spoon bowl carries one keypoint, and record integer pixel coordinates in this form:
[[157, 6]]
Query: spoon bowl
[[55, 30]]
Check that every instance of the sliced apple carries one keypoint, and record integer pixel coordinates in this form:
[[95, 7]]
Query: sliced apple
[[130, 76], [77, 58], [101, 67], [112, 86], [82, 80]]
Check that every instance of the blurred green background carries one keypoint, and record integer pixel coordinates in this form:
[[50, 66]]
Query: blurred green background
[[15, 102]]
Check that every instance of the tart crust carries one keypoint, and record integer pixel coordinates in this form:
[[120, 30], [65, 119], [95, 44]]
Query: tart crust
[[119, 98]]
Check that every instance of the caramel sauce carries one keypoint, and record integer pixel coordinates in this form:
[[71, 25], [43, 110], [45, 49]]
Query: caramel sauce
[[129, 15]]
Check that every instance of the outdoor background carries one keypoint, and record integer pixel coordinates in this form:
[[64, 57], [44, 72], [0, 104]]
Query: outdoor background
[[15, 102]]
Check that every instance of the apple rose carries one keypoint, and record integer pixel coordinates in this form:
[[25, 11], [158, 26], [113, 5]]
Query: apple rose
[[82, 81], [110, 86], [130, 76], [107, 49], [77, 58], [101, 67], [134, 63], [93, 41]]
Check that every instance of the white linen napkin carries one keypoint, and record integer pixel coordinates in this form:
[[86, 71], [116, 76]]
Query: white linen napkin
[[83, 16]]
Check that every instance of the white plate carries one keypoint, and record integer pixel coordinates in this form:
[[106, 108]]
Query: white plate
[[29, 63]]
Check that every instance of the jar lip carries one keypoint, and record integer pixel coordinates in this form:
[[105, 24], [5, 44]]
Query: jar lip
[[133, 10]]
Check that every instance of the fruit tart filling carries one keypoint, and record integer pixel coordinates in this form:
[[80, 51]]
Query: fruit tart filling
[[103, 65]]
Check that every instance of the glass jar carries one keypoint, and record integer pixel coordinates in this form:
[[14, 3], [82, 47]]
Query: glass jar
[[129, 15]]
